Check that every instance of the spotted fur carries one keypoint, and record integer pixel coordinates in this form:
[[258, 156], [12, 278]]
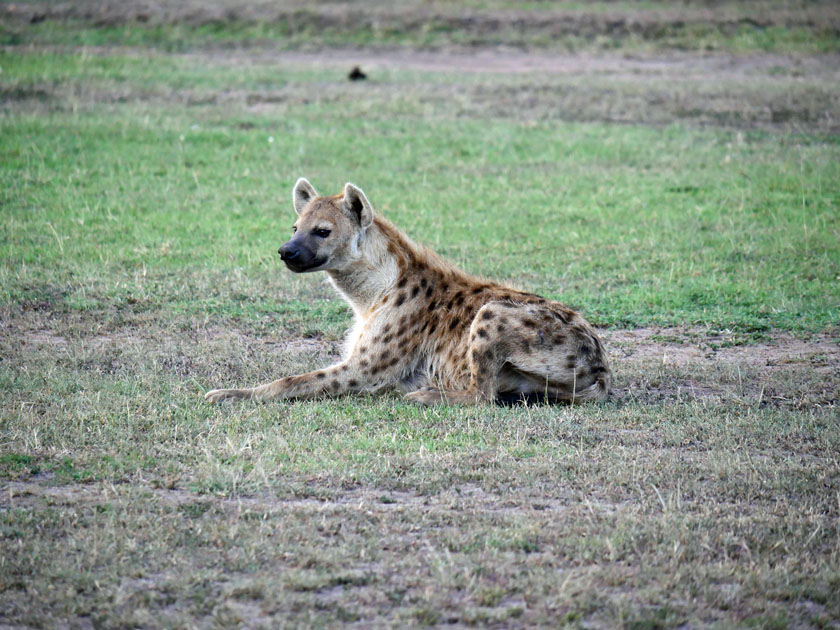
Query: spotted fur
[[425, 327]]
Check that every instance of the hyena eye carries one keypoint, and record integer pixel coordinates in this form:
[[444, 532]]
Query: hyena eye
[[321, 233], [294, 229]]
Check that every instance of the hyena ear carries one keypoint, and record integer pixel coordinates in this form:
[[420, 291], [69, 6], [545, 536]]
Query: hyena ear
[[357, 205], [302, 194]]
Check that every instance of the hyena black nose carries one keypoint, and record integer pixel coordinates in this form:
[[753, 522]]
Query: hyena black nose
[[288, 253]]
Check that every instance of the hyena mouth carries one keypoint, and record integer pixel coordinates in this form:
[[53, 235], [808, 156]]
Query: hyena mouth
[[302, 267]]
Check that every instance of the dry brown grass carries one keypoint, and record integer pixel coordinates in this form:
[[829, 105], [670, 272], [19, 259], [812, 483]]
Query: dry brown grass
[[705, 493]]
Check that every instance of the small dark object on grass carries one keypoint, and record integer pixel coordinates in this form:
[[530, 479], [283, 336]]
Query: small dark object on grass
[[356, 74]]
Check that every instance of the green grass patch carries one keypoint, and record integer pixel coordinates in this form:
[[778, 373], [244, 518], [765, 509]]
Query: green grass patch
[[151, 209], [14, 465]]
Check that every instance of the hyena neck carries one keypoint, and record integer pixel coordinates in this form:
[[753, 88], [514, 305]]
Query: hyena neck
[[366, 280], [388, 258]]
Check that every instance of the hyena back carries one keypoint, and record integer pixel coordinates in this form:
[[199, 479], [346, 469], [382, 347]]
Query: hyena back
[[425, 327]]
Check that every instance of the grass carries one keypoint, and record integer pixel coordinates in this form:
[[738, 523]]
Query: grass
[[379, 510], [143, 195], [622, 226], [745, 27], [433, 34]]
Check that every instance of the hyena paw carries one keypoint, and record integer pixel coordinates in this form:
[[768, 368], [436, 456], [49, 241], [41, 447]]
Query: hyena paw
[[427, 396], [217, 395]]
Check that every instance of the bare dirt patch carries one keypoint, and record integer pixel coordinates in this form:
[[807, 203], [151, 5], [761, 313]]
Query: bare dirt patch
[[466, 556], [685, 346], [774, 92], [672, 363], [500, 60], [42, 488], [362, 550], [792, 93], [743, 91]]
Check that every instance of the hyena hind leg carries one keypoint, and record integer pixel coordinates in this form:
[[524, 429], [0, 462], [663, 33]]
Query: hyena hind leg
[[528, 351], [562, 361]]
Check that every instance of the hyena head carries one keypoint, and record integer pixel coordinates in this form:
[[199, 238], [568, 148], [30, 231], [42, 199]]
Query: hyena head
[[328, 231]]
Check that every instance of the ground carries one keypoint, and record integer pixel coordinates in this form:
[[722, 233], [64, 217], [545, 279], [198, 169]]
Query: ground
[[672, 172]]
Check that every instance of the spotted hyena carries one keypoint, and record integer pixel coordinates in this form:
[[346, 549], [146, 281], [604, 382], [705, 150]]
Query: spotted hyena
[[425, 327]]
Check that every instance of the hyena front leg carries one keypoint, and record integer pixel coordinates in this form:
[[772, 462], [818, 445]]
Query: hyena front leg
[[335, 380]]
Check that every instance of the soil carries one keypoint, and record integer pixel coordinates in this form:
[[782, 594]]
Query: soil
[[510, 61], [768, 91], [685, 347], [780, 369]]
